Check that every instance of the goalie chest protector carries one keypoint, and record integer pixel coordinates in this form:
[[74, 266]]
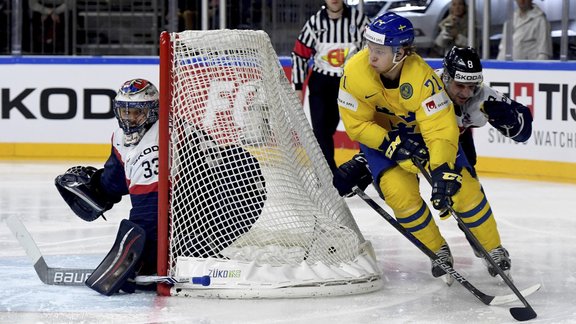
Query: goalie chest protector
[[140, 162]]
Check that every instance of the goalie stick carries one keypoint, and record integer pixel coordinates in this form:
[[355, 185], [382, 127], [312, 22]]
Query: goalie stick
[[77, 276], [519, 313], [484, 298]]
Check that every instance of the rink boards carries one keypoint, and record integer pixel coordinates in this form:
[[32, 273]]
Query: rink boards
[[59, 108]]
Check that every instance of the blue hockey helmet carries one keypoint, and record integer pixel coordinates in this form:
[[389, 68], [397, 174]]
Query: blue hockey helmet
[[136, 107], [390, 29]]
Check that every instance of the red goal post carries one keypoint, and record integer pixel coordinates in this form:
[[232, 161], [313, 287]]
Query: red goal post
[[245, 195]]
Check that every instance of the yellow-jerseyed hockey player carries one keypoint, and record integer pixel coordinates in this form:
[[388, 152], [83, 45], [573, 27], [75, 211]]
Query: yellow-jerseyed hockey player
[[396, 107]]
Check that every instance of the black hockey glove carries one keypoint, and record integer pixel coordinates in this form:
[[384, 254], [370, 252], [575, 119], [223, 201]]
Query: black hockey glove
[[402, 148], [80, 187], [445, 183], [352, 173], [500, 113], [513, 120]]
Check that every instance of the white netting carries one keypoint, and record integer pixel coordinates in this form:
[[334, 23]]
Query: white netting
[[248, 180]]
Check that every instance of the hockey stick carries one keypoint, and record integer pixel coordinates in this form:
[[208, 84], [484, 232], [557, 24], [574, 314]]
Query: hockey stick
[[486, 299], [77, 276], [519, 313]]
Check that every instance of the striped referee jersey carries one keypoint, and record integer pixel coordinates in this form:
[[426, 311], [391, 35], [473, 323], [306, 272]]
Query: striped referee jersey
[[330, 42]]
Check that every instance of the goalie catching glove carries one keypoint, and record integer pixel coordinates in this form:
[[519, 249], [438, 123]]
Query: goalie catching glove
[[352, 173], [80, 188], [402, 148], [446, 182]]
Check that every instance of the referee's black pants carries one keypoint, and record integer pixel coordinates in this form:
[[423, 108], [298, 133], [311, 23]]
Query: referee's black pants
[[323, 99]]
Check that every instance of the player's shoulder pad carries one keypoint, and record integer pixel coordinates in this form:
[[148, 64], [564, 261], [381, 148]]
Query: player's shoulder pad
[[489, 93]]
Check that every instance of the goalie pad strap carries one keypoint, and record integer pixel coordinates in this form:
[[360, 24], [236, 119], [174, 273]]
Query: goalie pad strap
[[120, 264]]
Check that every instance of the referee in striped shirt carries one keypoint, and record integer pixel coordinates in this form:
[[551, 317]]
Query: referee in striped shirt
[[329, 37]]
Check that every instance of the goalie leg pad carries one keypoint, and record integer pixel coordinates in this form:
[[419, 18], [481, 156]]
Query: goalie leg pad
[[121, 262]]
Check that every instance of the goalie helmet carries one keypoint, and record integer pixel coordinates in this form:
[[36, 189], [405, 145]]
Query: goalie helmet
[[136, 108], [462, 64], [390, 29]]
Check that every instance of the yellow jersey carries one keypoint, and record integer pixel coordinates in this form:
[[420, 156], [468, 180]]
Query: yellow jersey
[[418, 105]]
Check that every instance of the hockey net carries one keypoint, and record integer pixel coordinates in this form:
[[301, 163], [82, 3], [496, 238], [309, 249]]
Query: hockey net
[[246, 196]]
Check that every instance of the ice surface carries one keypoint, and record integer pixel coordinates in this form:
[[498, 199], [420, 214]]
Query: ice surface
[[536, 219]]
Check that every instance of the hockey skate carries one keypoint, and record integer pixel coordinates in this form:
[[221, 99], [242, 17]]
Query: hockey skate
[[446, 256], [502, 259]]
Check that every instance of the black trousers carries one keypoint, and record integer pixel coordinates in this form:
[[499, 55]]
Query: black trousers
[[467, 142], [322, 96]]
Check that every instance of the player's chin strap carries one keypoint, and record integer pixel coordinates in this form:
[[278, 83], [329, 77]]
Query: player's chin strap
[[396, 63]]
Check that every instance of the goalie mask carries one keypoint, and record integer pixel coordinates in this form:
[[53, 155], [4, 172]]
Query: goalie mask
[[136, 108]]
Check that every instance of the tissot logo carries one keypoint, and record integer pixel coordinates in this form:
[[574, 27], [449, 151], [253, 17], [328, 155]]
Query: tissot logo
[[559, 99], [26, 102]]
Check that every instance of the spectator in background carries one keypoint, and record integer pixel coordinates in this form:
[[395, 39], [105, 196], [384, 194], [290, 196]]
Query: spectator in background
[[453, 28], [50, 20], [188, 15], [4, 27], [330, 37], [531, 38]]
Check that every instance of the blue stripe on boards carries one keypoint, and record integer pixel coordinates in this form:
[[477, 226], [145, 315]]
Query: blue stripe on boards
[[285, 61], [73, 60]]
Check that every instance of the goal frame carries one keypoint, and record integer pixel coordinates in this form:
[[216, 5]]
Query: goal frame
[[163, 157], [363, 280]]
